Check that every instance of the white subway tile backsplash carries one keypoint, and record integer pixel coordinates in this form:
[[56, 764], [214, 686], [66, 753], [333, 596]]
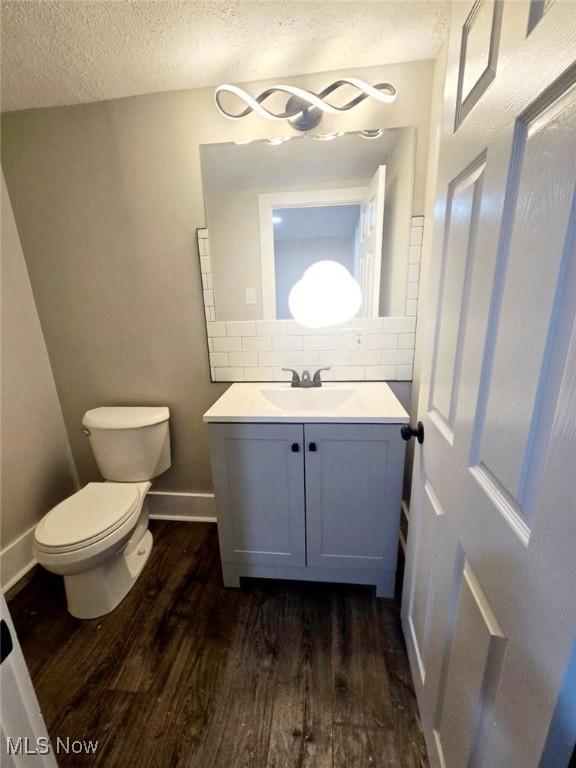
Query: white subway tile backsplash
[[364, 348], [207, 281], [274, 359], [333, 357], [365, 356], [227, 344], [382, 340], [228, 374], [258, 373], [406, 341], [292, 328], [380, 372], [280, 375], [302, 358], [216, 329], [270, 327], [398, 324], [416, 235], [349, 372], [256, 343], [241, 328], [397, 356], [283, 343], [404, 372], [318, 342], [368, 324], [243, 358], [219, 359]]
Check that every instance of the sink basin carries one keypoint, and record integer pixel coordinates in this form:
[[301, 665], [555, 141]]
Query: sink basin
[[371, 402], [297, 399]]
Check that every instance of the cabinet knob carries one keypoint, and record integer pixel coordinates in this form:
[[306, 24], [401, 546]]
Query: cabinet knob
[[312, 447], [295, 447]]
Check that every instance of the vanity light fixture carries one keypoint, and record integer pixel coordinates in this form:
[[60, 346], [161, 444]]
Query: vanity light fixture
[[303, 109]]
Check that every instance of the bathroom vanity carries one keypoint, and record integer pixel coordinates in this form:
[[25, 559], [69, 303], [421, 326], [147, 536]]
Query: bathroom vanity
[[308, 482]]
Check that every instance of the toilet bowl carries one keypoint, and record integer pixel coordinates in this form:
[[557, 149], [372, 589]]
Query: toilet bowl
[[98, 540]]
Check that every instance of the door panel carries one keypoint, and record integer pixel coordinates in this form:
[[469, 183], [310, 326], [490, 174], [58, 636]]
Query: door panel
[[540, 205], [260, 492], [353, 493], [464, 196], [473, 671], [487, 573]]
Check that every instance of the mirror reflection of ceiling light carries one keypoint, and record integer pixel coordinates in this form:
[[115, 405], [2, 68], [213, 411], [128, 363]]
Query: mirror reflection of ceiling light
[[276, 219], [326, 294], [303, 109]]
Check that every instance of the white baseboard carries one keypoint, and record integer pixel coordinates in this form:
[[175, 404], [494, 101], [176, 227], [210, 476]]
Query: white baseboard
[[16, 559], [191, 507]]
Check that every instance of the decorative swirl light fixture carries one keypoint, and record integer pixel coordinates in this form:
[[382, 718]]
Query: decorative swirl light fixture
[[304, 108]]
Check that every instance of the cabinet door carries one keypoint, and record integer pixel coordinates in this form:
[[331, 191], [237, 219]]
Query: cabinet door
[[258, 472], [353, 494]]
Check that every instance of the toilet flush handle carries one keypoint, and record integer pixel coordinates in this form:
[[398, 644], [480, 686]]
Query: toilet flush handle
[[85, 431]]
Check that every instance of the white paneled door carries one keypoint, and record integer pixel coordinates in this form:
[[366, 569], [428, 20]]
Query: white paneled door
[[489, 606]]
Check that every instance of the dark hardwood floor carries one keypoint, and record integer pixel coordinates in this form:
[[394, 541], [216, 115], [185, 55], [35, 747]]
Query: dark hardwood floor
[[187, 673]]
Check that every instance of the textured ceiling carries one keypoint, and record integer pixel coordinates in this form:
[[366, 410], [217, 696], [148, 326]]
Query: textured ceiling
[[71, 51]]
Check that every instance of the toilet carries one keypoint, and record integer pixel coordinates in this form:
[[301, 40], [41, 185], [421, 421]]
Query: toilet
[[98, 538]]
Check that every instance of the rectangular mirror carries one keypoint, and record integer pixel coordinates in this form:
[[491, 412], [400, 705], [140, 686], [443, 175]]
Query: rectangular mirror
[[276, 207]]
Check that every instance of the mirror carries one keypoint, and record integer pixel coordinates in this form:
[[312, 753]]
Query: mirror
[[277, 207]]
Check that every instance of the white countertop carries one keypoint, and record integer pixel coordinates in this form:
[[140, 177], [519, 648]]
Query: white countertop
[[352, 402]]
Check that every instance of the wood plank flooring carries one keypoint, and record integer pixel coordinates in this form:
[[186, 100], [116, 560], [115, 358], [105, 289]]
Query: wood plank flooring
[[187, 673]]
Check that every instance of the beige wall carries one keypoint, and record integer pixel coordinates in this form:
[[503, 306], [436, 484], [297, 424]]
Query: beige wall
[[107, 197], [37, 466]]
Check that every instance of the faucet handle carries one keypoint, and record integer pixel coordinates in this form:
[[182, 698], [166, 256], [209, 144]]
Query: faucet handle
[[317, 380], [295, 377]]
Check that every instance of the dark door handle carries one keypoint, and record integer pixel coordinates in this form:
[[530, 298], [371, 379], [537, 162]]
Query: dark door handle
[[295, 447], [6, 643], [409, 432], [312, 447]]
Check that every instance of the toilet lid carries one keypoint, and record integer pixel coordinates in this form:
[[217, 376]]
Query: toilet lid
[[90, 514]]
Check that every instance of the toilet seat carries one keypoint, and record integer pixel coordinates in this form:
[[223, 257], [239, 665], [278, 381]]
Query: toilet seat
[[87, 517]]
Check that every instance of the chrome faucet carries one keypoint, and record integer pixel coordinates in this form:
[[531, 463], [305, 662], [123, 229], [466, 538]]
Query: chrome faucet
[[305, 380]]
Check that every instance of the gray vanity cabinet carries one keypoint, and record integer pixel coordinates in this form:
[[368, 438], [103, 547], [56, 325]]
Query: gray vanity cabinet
[[259, 480], [312, 501], [353, 492]]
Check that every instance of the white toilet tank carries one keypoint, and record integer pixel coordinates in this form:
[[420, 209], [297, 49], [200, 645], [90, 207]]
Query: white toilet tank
[[130, 443]]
